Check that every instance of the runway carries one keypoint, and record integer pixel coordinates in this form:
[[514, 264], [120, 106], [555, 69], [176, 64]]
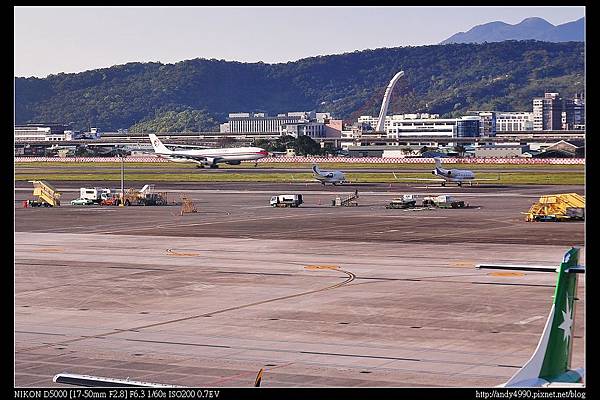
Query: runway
[[319, 296]]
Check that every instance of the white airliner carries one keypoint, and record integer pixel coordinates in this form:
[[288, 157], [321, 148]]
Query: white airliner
[[333, 177], [208, 157], [550, 364], [457, 176]]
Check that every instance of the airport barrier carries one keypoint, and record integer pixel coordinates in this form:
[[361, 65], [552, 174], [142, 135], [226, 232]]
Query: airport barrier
[[349, 160], [90, 159], [399, 160]]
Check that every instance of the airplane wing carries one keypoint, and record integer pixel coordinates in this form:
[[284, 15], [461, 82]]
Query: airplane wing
[[100, 381], [196, 159]]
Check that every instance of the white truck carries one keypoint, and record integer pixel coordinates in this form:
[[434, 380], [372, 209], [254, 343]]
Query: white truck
[[286, 200], [95, 194], [443, 201]]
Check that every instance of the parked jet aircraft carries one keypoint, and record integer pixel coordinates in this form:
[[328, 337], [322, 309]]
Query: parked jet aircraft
[[208, 157], [550, 365], [450, 175], [333, 177]]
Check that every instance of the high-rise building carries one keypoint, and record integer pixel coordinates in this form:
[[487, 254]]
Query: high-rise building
[[551, 112], [487, 126]]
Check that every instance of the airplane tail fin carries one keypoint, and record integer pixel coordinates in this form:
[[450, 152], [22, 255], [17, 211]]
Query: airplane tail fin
[[157, 144], [316, 169], [438, 162], [551, 360]]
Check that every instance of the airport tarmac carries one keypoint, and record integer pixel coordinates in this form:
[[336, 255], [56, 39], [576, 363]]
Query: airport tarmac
[[318, 295]]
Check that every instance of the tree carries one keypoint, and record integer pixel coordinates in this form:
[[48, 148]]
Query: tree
[[226, 141], [305, 145], [460, 149]]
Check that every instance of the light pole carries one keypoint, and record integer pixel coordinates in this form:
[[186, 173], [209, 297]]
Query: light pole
[[122, 202]]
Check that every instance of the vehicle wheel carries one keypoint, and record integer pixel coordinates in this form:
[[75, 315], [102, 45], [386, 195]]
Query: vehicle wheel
[[127, 203]]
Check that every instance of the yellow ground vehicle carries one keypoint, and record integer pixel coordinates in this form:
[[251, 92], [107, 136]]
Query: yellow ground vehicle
[[47, 195], [144, 197], [558, 207]]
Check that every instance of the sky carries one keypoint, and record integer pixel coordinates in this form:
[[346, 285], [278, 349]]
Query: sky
[[51, 40]]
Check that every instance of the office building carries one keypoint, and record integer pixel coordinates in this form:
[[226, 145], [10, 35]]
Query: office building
[[552, 112], [37, 132], [514, 121], [424, 125]]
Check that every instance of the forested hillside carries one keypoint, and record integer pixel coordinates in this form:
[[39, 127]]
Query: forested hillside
[[198, 94]]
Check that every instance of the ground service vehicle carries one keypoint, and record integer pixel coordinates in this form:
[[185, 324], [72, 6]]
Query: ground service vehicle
[[110, 201], [146, 196], [286, 200], [81, 202], [443, 201], [406, 201], [46, 194], [95, 194], [558, 207]]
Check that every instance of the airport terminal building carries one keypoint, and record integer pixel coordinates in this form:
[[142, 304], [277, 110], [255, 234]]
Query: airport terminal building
[[425, 125]]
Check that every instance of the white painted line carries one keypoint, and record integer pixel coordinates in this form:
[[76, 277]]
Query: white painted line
[[528, 320]]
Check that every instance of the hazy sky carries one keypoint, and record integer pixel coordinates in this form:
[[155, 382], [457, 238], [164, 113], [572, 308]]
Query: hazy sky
[[49, 40]]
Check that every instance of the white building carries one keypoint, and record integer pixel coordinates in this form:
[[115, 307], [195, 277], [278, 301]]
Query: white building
[[224, 128], [311, 129], [308, 123], [42, 133], [501, 150], [425, 125], [514, 121]]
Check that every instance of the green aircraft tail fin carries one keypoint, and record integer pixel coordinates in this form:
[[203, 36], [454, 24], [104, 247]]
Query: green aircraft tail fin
[[552, 357]]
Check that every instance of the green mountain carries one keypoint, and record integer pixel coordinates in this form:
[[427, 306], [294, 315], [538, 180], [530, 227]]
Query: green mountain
[[198, 94]]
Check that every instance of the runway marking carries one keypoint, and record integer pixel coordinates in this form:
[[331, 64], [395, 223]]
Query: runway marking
[[464, 264], [528, 320], [313, 267], [58, 250], [506, 274]]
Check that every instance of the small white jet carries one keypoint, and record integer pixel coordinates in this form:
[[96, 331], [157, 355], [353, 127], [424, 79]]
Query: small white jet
[[208, 157], [457, 176], [550, 364], [333, 177]]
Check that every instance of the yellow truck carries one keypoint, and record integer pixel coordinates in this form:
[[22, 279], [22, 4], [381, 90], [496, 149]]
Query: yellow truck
[[557, 207]]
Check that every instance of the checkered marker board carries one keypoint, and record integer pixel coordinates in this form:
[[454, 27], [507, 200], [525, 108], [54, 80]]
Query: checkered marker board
[[345, 160]]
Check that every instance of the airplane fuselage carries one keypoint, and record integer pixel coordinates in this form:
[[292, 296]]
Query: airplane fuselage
[[224, 155], [333, 177], [454, 175]]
